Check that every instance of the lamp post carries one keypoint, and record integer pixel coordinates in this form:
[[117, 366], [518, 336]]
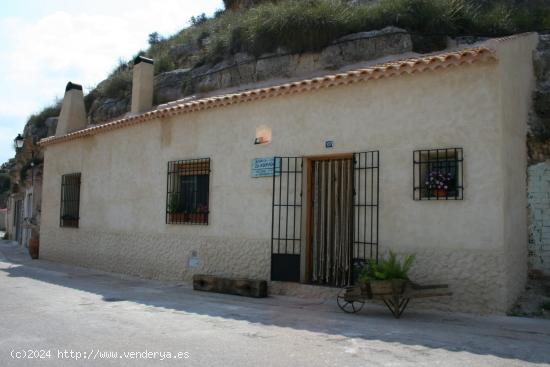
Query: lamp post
[[19, 143]]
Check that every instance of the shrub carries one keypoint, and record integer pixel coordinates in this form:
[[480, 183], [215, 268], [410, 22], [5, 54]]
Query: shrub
[[154, 38], [164, 63], [38, 119], [5, 182], [119, 83], [387, 268]]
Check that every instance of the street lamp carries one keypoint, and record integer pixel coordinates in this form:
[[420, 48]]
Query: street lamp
[[19, 141]]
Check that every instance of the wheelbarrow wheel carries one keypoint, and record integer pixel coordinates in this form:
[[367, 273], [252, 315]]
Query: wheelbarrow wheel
[[348, 305]]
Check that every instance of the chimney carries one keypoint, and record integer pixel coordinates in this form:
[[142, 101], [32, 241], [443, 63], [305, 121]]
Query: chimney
[[142, 85], [73, 112]]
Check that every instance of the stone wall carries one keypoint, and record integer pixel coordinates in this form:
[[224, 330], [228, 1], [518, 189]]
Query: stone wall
[[539, 157], [539, 216]]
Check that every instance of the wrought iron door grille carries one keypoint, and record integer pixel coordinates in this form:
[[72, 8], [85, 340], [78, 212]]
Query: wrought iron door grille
[[70, 200], [438, 174], [366, 195], [187, 194], [286, 224]]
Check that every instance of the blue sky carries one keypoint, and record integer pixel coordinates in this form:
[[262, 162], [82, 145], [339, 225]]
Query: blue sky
[[45, 44]]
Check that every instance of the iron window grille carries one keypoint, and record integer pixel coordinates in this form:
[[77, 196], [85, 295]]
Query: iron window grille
[[70, 200], [438, 174], [187, 198]]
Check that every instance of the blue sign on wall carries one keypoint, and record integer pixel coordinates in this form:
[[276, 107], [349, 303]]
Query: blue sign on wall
[[263, 167]]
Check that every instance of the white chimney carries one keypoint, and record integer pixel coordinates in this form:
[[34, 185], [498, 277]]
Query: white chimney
[[142, 85], [73, 112]]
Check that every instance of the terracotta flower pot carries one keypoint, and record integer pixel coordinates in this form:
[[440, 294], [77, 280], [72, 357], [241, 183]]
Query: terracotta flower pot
[[34, 245], [439, 193]]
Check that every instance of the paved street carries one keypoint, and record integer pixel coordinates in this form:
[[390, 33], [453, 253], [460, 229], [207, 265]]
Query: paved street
[[70, 316]]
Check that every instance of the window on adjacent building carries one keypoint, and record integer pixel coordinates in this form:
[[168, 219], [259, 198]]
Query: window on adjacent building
[[438, 174], [70, 200], [187, 198]]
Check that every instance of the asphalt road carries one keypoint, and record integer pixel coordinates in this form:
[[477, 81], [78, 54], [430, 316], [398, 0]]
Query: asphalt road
[[67, 316]]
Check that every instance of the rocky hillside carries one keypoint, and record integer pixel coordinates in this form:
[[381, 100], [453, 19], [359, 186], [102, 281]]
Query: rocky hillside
[[252, 41]]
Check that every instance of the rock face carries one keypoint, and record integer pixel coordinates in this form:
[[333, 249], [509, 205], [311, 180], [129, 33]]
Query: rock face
[[244, 69], [538, 173], [539, 122], [168, 86], [106, 109]]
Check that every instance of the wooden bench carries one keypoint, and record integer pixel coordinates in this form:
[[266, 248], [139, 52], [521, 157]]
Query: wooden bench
[[240, 287]]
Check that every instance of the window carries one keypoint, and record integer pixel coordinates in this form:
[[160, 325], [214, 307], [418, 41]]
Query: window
[[70, 200], [438, 174], [188, 191]]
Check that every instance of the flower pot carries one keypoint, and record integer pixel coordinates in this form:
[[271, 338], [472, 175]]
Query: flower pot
[[34, 245], [176, 217], [439, 193], [387, 287]]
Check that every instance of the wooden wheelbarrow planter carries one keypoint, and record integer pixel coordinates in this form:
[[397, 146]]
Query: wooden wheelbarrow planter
[[351, 299]]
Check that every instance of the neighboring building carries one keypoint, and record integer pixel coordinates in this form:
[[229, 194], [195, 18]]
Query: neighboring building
[[192, 186], [24, 202], [3, 219]]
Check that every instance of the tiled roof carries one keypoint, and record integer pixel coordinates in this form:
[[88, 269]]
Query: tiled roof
[[386, 70]]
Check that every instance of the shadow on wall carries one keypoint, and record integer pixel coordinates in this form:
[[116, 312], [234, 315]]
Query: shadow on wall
[[434, 331]]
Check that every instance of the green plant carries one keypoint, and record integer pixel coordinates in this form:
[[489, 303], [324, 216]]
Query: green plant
[[23, 173], [38, 119], [175, 204], [387, 268], [118, 85], [163, 64], [5, 182]]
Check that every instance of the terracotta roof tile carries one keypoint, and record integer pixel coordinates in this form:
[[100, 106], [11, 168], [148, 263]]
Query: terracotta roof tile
[[386, 70]]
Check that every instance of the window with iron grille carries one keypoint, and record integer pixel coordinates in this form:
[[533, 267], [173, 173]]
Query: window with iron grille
[[187, 197], [438, 174], [70, 200]]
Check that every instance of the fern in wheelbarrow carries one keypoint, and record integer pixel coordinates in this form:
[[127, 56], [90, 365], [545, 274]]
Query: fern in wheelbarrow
[[388, 276]]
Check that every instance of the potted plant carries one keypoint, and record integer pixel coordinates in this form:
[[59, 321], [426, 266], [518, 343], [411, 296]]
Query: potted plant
[[34, 245], [387, 277], [202, 211], [174, 209], [438, 182]]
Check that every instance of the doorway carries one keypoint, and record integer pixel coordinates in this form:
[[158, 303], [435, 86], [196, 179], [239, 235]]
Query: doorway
[[331, 212], [340, 224], [18, 219]]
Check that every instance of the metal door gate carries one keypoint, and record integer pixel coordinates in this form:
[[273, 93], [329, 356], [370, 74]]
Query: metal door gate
[[286, 223], [366, 194]]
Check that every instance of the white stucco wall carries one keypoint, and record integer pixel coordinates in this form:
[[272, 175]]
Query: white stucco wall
[[517, 82], [465, 243]]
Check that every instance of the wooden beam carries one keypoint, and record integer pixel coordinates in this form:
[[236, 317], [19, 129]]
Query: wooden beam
[[240, 287]]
